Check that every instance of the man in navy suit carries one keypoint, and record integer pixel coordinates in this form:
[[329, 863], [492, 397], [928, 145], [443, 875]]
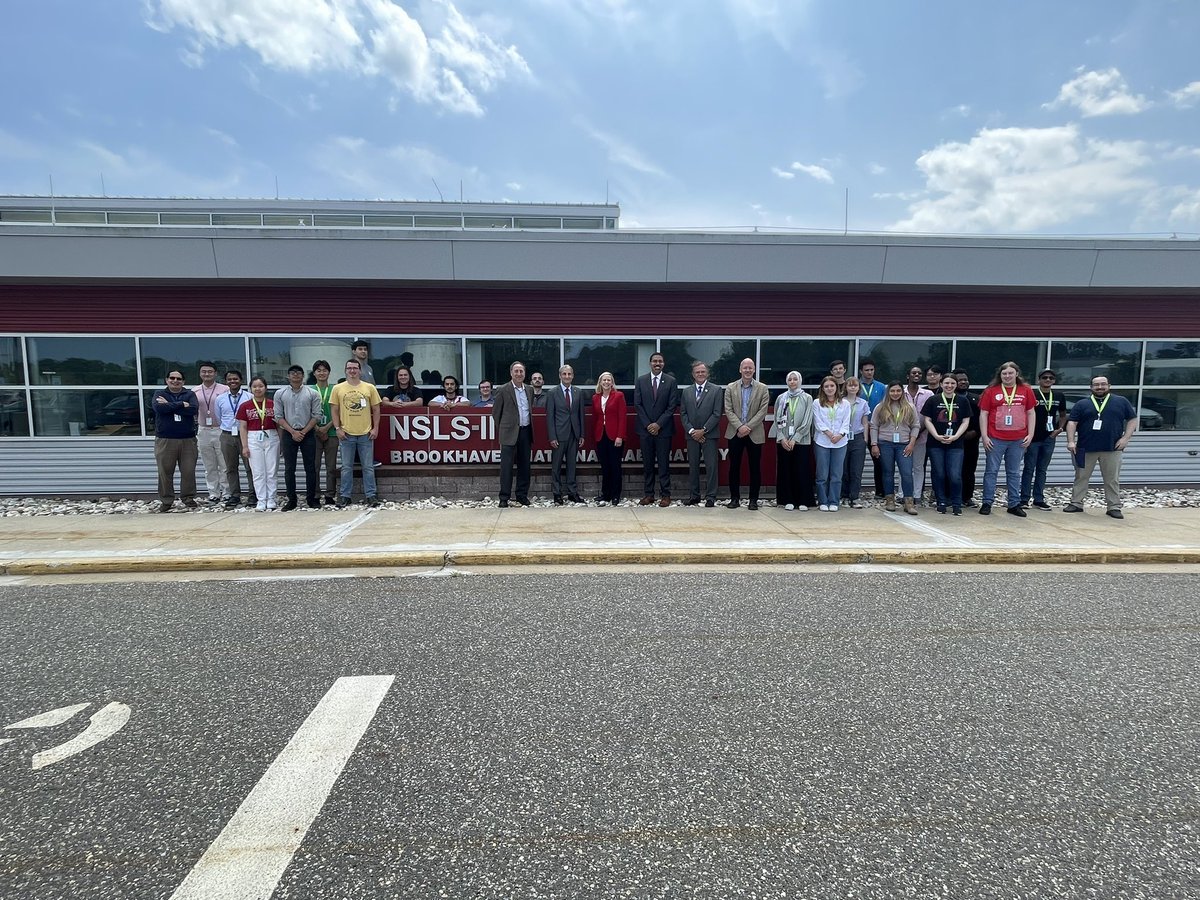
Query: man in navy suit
[[656, 397], [700, 412], [564, 425]]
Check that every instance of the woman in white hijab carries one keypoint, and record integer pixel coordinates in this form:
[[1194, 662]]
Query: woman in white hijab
[[793, 451]]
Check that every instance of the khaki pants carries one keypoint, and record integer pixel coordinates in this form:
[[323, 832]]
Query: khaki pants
[[1110, 471], [209, 442], [327, 450], [172, 453]]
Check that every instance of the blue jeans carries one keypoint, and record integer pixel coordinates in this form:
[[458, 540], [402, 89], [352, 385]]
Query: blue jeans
[[945, 463], [1010, 453], [1033, 476], [365, 448], [829, 473], [856, 454], [892, 455]]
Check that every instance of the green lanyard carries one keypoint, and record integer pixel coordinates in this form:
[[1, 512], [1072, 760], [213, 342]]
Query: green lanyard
[[1100, 406], [1049, 404]]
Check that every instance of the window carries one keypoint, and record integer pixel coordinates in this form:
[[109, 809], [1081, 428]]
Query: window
[[722, 357], [894, 356], [110, 413], [429, 358], [14, 413], [271, 356], [1172, 362], [981, 359], [161, 354], [589, 357], [538, 222], [489, 221], [12, 371], [82, 360], [236, 219], [1078, 362], [489, 359], [40, 216], [294, 219], [811, 358], [388, 221], [184, 219], [438, 221], [79, 217], [332, 221], [132, 218], [583, 224], [1169, 410]]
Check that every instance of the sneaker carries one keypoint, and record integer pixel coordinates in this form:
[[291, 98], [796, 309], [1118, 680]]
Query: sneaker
[[824, 507], [1018, 511], [790, 506], [233, 503], [1040, 504], [164, 507], [342, 502], [373, 502], [262, 506], [800, 507], [833, 508], [941, 509], [854, 504], [190, 503], [329, 501], [958, 510], [289, 505], [313, 504], [985, 509], [271, 505]]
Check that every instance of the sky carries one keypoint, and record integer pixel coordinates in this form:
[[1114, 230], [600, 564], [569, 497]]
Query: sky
[[1049, 117]]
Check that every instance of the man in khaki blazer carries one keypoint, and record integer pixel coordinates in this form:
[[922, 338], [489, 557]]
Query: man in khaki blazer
[[514, 428], [746, 403]]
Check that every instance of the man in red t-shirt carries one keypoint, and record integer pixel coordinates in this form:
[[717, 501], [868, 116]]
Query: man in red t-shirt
[[1006, 421]]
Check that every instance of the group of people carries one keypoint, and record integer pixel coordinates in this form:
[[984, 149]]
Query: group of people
[[821, 443]]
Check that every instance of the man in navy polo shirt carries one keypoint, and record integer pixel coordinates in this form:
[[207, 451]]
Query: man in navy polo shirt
[[1098, 431], [175, 441]]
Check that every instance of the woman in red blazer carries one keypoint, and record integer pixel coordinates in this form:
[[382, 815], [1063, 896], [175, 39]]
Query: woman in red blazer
[[608, 431]]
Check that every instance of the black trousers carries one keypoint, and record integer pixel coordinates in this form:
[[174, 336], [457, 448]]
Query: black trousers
[[753, 452], [970, 464], [518, 453], [656, 454], [288, 446], [609, 456]]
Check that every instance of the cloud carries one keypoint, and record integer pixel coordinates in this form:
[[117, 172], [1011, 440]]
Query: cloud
[[876, 169], [1024, 179], [388, 172], [820, 173], [1099, 94], [513, 185], [783, 173], [1186, 212], [621, 152], [1186, 96], [444, 59]]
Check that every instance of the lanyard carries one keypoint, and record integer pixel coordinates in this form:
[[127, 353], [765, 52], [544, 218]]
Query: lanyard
[[1048, 403], [897, 414], [208, 397], [948, 403], [234, 401], [1009, 398], [1100, 406], [262, 413], [791, 406], [830, 412]]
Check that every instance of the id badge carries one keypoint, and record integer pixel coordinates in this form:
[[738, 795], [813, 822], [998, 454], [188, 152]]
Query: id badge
[[262, 436], [208, 421], [1049, 423], [178, 418], [895, 437], [949, 431], [791, 432], [362, 403], [1097, 425], [1008, 420], [323, 420]]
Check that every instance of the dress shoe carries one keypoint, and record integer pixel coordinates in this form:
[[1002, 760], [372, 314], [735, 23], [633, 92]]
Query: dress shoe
[[985, 509], [970, 504], [646, 501], [1040, 504], [164, 507], [575, 498], [343, 502], [190, 503], [693, 501], [233, 503], [329, 501], [1018, 511], [665, 501], [312, 503], [1115, 514], [558, 500], [709, 504], [753, 505], [289, 505], [616, 501], [523, 501], [1071, 507], [600, 499], [373, 502], [504, 504], [734, 504]]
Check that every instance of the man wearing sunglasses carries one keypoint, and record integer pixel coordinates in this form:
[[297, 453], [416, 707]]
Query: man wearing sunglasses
[[175, 441]]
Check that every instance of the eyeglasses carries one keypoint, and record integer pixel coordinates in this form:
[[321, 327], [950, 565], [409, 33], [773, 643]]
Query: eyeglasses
[[174, 378]]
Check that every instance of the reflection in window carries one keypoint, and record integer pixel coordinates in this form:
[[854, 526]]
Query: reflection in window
[[11, 369], [981, 359], [161, 354], [81, 360], [429, 358], [14, 415], [810, 358], [271, 356], [1172, 362], [1078, 362], [625, 359], [489, 359], [894, 357], [88, 413], [1178, 410], [722, 357]]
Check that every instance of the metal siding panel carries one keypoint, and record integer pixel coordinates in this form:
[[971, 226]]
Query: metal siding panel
[[320, 256], [776, 264], [989, 266], [106, 256], [1178, 266], [540, 261]]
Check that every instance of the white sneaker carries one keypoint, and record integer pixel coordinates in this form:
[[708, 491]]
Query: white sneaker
[[790, 506], [800, 507], [824, 507], [262, 506], [833, 509]]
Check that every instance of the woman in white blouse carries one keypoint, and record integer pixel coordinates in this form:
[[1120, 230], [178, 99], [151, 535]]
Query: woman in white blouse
[[831, 424]]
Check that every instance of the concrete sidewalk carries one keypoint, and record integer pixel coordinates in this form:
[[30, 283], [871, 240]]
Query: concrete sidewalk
[[244, 541]]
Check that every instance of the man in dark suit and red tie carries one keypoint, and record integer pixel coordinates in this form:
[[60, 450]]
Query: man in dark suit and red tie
[[656, 398], [700, 407], [564, 425], [514, 428]]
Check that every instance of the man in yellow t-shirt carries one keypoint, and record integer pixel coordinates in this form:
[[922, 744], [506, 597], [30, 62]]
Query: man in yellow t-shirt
[[354, 405]]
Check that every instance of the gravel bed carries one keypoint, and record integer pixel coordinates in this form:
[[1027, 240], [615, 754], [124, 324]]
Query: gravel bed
[[11, 507]]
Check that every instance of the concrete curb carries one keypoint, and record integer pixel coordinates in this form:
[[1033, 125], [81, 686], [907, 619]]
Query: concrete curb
[[708, 556]]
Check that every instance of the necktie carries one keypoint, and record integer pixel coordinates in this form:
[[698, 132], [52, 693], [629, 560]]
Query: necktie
[[568, 393], [654, 393], [699, 390]]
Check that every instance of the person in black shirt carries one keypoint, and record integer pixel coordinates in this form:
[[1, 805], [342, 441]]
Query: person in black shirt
[[946, 418], [1049, 424]]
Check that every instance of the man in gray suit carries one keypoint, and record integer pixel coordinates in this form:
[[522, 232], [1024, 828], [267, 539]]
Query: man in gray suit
[[700, 412], [656, 397], [564, 425], [745, 410], [514, 428]]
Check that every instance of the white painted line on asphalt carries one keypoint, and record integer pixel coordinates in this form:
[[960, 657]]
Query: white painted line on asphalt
[[50, 718], [105, 722], [917, 525], [251, 853], [337, 533]]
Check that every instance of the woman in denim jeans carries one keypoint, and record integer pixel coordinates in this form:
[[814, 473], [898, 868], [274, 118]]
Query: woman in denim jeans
[[856, 442], [894, 430], [831, 424]]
